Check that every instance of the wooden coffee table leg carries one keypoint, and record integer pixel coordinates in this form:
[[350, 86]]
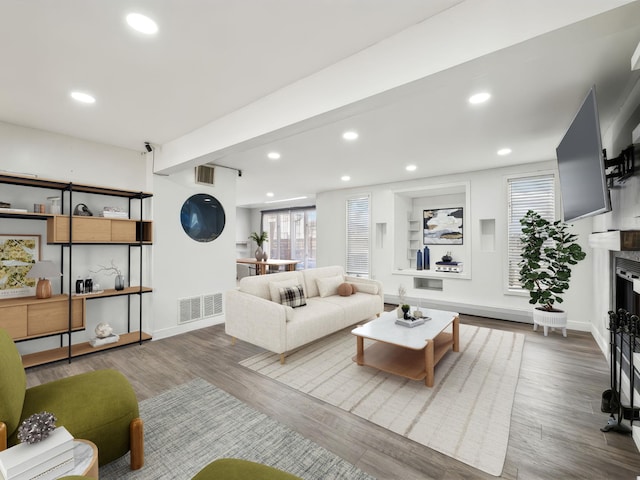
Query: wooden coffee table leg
[[359, 350], [429, 364], [456, 334]]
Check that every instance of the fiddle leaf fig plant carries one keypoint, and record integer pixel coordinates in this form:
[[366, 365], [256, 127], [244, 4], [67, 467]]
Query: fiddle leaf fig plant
[[548, 252]]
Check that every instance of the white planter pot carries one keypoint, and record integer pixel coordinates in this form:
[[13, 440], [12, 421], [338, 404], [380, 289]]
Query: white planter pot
[[550, 319]]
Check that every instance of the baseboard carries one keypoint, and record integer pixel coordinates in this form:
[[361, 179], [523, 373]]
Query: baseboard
[[187, 327], [500, 313]]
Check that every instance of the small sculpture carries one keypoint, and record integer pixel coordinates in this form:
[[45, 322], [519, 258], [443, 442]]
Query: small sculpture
[[103, 330], [37, 427]]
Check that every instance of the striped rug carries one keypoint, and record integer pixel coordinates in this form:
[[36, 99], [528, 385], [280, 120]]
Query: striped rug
[[466, 415]]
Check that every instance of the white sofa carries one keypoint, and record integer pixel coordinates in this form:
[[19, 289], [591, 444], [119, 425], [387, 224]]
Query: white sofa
[[253, 311]]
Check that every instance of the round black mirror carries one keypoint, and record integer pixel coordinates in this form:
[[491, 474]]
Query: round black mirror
[[202, 217]]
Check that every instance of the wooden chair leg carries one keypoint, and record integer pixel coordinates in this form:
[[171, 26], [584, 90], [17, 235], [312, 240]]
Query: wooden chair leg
[[282, 355], [233, 340], [136, 442], [3, 436]]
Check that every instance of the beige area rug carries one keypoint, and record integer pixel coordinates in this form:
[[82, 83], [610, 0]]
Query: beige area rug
[[466, 415]]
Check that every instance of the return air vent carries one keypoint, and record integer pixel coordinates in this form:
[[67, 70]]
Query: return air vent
[[197, 308], [205, 175], [212, 305], [190, 309]]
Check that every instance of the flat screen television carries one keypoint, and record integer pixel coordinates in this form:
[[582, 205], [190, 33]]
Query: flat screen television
[[583, 182]]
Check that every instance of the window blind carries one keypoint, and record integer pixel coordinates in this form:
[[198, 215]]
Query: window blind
[[526, 193], [358, 236]]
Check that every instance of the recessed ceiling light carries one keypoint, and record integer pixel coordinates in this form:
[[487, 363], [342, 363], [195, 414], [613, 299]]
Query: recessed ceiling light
[[273, 155], [142, 23], [410, 168], [504, 151], [269, 194], [83, 97], [479, 97], [350, 135], [345, 178]]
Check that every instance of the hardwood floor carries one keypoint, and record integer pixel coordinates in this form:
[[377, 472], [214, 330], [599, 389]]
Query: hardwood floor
[[555, 427]]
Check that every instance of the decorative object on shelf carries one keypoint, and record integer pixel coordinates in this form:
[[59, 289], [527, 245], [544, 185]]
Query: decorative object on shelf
[[259, 238], [37, 427], [451, 267], [443, 226], [82, 210], [447, 257], [202, 217], [548, 251], [43, 271], [54, 205], [112, 270], [79, 285], [88, 285], [265, 256], [426, 258], [419, 260], [18, 253], [103, 330], [119, 282], [113, 212]]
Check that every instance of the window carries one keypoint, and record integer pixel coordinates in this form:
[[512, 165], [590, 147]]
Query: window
[[292, 235], [358, 236], [526, 193]]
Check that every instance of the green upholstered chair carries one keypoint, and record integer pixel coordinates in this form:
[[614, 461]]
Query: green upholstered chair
[[100, 406], [237, 469]]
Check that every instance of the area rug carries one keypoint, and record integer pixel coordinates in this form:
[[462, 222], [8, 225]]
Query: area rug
[[189, 426], [465, 415]]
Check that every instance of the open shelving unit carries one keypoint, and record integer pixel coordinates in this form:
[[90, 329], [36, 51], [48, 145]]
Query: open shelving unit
[[51, 316]]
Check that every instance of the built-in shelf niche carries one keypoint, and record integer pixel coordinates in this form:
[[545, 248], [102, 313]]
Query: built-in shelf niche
[[409, 204]]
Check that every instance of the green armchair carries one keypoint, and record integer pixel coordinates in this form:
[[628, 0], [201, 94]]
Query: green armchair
[[100, 406]]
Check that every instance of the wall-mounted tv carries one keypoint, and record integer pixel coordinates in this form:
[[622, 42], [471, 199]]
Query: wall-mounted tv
[[583, 183]]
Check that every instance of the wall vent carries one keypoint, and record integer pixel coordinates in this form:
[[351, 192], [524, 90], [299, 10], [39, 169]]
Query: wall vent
[[197, 308], [205, 175], [189, 309], [212, 305]]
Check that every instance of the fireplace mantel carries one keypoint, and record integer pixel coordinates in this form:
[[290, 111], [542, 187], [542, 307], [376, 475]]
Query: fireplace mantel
[[616, 240]]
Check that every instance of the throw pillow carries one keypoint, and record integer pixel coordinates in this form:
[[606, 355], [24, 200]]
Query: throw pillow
[[370, 288], [345, 289], [274, 288], [292, 296], [329, 285]]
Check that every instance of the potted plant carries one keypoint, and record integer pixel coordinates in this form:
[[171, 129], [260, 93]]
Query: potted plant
[[260, 238], [548, 252]]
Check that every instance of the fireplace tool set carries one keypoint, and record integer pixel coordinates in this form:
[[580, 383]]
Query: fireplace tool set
[[624, 329]]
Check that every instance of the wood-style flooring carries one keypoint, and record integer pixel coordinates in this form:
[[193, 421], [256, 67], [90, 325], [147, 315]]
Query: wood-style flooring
[[555, 426]]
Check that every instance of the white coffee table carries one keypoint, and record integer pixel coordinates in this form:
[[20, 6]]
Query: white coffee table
[[408, 352]]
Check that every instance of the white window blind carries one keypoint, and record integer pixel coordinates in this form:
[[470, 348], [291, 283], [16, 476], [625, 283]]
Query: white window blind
[[526, 193], [358, 236]]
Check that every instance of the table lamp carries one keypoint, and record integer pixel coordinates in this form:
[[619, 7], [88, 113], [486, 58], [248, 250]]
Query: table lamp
[[43, 271]]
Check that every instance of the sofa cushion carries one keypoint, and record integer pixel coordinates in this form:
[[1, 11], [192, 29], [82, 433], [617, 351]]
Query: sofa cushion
[[312, 274], [345, 289], [329, 286], [274, 288], [370, 288], [258, 285], [292, 296]]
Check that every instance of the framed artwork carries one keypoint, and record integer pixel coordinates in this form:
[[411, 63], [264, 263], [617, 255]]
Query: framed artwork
[[443, 226], [18, 253]]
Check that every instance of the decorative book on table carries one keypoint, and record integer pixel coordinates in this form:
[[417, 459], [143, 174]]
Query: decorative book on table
[[412, 323], [45, 460]]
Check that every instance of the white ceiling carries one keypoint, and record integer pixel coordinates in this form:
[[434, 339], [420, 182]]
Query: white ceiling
[[212, 57]]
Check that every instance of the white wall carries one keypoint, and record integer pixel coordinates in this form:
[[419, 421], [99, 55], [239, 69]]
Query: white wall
[[484, 293], [185, 268]]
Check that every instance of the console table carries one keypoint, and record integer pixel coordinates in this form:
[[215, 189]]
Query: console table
[[261, 265]]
